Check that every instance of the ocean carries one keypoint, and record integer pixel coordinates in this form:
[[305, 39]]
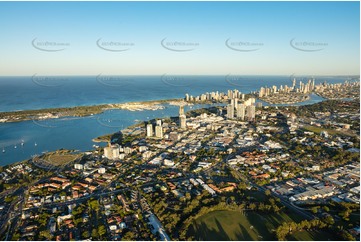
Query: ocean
[[37, 92]]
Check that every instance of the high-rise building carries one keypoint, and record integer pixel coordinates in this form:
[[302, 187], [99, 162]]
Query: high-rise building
[[159, 131], [241, 111], [149, 130], [251, 112], [274, 89], [159, 122], [112, 152], [235, 103], [229, 94], [183, 121], [261, 92], [182, 118], [181, 110], [248, 102], [230, 111]]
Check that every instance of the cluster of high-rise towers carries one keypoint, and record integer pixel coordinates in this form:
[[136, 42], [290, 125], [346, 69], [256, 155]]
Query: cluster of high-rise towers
[[157, 131], [246, 110], [216, 96], [303, 88], [238, 107]]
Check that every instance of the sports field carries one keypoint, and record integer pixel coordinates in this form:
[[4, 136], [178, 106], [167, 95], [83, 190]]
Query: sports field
[[231, 225]]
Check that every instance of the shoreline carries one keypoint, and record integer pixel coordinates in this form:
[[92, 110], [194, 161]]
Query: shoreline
[[82, 111], [105, 138]]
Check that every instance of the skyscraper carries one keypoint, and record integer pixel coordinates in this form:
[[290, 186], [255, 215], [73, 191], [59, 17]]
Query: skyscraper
[[251, 112], [182, 118], [230, 111], [241, 111], [181, 110], [235, 103], [159, 131], [183, 121], [159, 122], [149, 130]]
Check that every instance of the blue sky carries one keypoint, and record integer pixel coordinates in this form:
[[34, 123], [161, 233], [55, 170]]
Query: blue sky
[[272, 38]]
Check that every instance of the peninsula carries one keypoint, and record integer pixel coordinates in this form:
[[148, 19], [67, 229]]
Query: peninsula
[[81, 111]]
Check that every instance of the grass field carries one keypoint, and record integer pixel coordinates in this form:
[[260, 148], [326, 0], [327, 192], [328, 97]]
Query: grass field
[[231, 225], [318, 130], [310, 236], [60, 158]]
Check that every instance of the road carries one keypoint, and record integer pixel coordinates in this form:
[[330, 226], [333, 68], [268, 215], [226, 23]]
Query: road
[[288, 204]]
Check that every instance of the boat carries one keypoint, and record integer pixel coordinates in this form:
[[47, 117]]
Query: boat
[[22, 142], [15, 147], [3, 150], [35, 144]]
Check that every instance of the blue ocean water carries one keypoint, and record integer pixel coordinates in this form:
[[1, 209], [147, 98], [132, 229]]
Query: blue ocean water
[[36, 92]]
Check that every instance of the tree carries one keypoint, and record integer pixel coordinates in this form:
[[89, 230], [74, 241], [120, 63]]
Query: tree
[[8, 199], [46, 234], [282, 231], [101, 230], [85, 234], [242, 186], [267, 192], [327, 209], [16, 236], [252, 206], [275, 208], [347, 236], [261, 207], [329, 220], [129, 236], [95, 234], [314, 210]]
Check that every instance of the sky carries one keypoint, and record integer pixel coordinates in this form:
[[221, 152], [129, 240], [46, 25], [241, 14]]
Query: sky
[[185, 38]]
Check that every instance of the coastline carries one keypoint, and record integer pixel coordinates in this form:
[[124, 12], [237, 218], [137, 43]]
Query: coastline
[[81, 111]]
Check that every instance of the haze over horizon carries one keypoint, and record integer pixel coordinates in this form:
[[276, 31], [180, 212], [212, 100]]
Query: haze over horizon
[[179, 38]]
